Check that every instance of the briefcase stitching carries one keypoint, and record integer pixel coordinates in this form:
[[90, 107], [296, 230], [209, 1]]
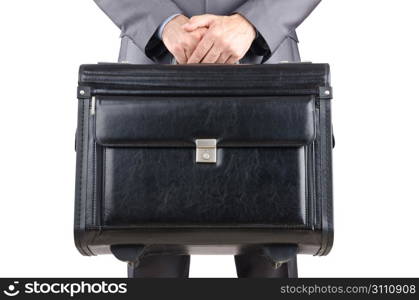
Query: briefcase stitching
[[80, 162], [328, 160], [307, 224]]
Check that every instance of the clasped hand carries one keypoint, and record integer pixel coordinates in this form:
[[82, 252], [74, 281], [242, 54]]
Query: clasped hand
[[208, 38]]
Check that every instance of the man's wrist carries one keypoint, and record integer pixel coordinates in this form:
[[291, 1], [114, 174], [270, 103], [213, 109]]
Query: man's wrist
[[162, 25], [244, 19]]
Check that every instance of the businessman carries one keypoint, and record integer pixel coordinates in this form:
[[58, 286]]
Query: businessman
[[208, 31]]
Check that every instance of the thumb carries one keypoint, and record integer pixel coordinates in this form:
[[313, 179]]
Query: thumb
[[199, 21]]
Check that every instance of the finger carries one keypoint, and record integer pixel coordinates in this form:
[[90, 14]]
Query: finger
[[180, 56], [188, 45], [199, 33], [212, 55], [199, 21], [232, 60], [186, 57], [201, 50], [193, 38], [188, 52], [222, 59]]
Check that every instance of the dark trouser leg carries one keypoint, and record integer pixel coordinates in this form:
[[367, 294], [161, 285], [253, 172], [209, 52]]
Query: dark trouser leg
[[271, 262], [160, 266], [143, 264]]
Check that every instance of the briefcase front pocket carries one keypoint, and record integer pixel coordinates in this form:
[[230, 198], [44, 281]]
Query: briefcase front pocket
[[204, 161]]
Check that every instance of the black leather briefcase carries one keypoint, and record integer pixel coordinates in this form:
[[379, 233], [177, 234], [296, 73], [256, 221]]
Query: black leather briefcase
[[204, 158]]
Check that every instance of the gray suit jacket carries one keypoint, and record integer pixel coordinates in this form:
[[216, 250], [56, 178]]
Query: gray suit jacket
[[275, 21]]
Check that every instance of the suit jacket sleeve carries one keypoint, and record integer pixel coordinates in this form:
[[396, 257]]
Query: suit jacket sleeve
[[275, 19], [139, 19]]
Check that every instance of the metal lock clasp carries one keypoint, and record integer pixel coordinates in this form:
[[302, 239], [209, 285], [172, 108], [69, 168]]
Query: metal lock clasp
[[206, 150]]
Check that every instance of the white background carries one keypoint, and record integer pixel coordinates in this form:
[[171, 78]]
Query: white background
[[373, 49]]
